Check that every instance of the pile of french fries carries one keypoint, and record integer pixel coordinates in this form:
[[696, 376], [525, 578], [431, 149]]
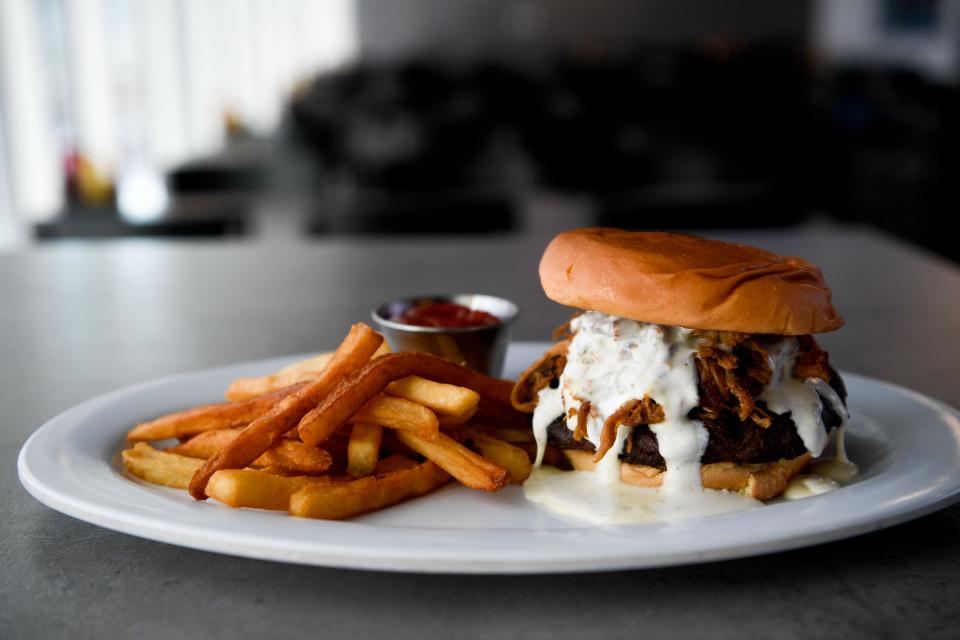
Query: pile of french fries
[[341, 434]]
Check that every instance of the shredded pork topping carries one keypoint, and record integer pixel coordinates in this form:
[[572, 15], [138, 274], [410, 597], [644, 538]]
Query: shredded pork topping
[[630, 414], [733, 369], [582, 414]]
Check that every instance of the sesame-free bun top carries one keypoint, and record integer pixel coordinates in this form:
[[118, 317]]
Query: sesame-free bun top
[[675, 279]]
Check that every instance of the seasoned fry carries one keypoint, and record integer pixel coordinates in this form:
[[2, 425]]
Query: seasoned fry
[[364, 449], [448, 421], [208, 417], [204, 445], [257, 489], [338, 501], [397, 413], [491, 414], [513, 458], [340, 405], [262, 434], [446, 399], [472, 470], [395, 462], [159, 467], [291, 455], [276, 471], [297, 457], [245, 388], [513, 436], [260, 449]]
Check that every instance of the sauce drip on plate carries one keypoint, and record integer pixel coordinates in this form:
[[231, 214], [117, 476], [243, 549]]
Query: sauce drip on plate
[[611, 360]]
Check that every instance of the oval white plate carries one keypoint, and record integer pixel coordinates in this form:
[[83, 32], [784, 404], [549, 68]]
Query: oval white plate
[[907, 445]]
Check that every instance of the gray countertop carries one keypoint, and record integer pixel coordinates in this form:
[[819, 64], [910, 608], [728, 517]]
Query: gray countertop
[[79, 320]]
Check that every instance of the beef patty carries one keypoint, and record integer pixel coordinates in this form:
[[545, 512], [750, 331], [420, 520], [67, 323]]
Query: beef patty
[[731, 439]]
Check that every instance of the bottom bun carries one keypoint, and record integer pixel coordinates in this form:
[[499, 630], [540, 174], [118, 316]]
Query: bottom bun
[[760, 481]]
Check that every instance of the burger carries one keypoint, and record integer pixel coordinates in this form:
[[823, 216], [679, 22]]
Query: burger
[[690, 363]]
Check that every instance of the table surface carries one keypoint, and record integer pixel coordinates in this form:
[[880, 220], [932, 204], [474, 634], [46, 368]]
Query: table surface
[[79, 320]]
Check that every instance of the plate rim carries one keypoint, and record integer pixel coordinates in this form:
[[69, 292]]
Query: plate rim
[[244, 545]]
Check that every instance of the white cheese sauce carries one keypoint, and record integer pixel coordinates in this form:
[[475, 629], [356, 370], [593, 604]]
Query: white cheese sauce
[[578, 494], [839, 468], [613, 360], [549, 406], [800, 397], [831, 473], [806, 486]]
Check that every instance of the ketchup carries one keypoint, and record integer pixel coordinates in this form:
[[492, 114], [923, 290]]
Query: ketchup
[[447, 314]]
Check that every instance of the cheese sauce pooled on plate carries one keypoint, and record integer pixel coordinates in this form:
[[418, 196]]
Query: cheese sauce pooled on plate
[[613, 360]]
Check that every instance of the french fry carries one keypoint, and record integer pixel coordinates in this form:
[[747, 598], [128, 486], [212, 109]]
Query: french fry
[[513, 436], [492, 414], [397, 413], [159, 467], [257, 489], [277, 471], [394, 462], [338, 501], [470, 469], [513, 458], [344, 401], [364, 449], [297, 457], [246, 388], [251, 387], [446, 399], [291, 455], [204, 445], [263, 433], [449, 422], [208, 417], [261, 447]]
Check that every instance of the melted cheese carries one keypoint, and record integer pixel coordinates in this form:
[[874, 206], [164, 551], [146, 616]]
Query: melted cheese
[[549, 406], [614, 360], [806, 486], [578, 494], [800, 398], [838, 468], [831, 473]]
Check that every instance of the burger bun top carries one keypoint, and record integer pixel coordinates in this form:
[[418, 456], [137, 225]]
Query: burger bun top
[[681, 280]]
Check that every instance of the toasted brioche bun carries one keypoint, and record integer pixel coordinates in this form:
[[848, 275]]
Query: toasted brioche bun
[[681, 280], [759, 481]]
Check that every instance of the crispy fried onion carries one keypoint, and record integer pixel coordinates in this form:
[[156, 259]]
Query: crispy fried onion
[[582, 414], [539, 375], [630, 414], [811, 360]]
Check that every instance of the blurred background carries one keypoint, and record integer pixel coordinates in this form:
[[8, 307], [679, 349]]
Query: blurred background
[[260, 120]]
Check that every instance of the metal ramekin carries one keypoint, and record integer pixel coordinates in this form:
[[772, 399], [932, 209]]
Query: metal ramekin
[[480, 348]]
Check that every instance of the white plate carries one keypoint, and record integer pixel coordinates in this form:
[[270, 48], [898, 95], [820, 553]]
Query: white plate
[[907, 446]]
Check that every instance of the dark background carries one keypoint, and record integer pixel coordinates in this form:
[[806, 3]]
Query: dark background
[[452, 116]]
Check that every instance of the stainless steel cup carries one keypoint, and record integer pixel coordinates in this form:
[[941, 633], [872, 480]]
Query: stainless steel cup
[[480, 348]]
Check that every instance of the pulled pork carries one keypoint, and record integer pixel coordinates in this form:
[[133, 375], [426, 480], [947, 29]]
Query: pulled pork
[[630, 414], [733, 368]]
